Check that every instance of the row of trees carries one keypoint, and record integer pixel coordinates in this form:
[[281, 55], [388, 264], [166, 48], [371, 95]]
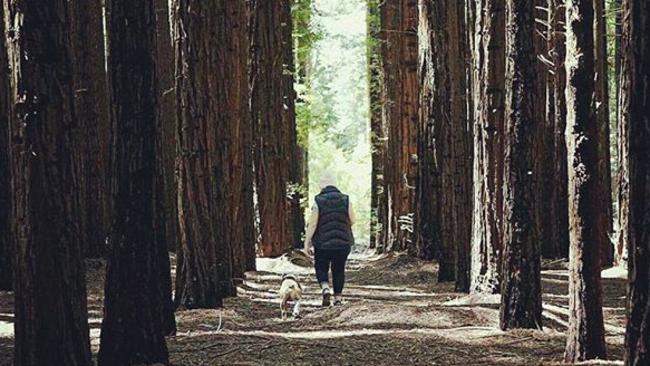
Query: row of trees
[[491, 134], [150, 133]]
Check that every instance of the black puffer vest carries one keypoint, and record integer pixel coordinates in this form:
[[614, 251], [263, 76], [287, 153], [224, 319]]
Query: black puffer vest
[[334, 230]]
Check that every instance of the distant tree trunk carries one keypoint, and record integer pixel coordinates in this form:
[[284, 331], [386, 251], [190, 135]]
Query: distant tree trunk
[[544, 213], [91, 134], [237, 153], [274, 129], [377, 140], [585, 336], [51, 319], [166, 94], [400, 54], [602, 116], [559, 194], [521, 300], [427, 219], [6, 243], [635, 108], [133, 327], [462, 146], [489, 94], [622, 149], [212, 116]]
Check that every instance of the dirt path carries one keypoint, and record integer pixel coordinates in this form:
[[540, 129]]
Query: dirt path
[[395, 314]]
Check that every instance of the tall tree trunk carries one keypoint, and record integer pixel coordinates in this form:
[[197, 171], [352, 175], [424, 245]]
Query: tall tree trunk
[[427, 217], [559, 194], [635, 108], [585, 336], [51, 319], [489, 94], [544, 213], [6, 243], [91, 133], [272, 104], [521, 300], [462, 146], [166, 131], [377, 140], [400, 54], [602, 116], [211, 82], [134, 327]]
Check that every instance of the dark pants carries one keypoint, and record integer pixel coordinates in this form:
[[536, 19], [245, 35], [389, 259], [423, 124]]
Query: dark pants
[[323, 258]]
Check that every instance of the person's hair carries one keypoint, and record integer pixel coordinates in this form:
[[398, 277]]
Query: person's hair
[[327, 179]]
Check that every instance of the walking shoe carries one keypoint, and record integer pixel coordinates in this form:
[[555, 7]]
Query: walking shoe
[[327, 297], [338, 302]]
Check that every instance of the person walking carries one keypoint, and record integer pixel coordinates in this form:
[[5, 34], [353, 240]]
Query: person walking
[[329, 232]]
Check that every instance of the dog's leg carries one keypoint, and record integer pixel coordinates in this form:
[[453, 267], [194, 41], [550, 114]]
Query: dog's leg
[[296, 309], [283, 308]]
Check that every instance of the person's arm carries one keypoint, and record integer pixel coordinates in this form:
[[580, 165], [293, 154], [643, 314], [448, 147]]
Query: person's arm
[[352, 214], [311, 227]]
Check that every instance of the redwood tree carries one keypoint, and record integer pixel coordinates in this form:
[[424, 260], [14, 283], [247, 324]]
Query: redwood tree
[[377, 139], [212, 102], [137, 308], [559, 234], [489, 93], [521, 300], [585, 336], [6, 254], [51, 319], [92, 130], [602, 116], [166, 131], [399, 19], [274, 124], [635, 108]]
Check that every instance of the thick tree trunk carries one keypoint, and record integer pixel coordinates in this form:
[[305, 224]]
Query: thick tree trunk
[[51, 319], [635, 108], [560, 227], [377, 140], [137, 308], [273, 123], [166, 131], [602, 116], [521, 300], [92, 130], [585, 336], [400, 90], [212, 91], [6, 243], [489, 94]]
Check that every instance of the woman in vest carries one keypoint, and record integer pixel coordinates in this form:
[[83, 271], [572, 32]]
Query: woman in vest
[[330, 233]]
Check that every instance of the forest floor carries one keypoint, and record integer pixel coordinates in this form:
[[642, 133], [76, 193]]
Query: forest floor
[[395, 313]]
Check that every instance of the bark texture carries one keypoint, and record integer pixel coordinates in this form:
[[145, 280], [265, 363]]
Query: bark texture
[[91, 137], [274, 124], [399, 22], [489, 97], [6, 243], [635, 108], [138, 310], [51, 319], [521, 302], [212, 113], [585, 336]]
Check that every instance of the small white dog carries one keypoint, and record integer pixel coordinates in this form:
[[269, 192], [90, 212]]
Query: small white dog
[[290, 290]]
